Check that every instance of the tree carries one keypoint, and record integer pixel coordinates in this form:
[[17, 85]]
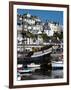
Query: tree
[[44, 37], [59, 35]]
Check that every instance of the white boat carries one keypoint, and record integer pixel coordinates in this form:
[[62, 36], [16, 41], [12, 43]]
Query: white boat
[[57, 64], [32, 65]]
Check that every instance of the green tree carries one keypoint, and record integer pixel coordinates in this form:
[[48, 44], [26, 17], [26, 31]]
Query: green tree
[[44, 37], [59, 35]]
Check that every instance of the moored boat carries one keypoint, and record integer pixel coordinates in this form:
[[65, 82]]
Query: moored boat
[[57, 64], [32, 65]]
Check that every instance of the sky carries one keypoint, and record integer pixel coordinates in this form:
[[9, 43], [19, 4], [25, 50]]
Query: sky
[[56, 16]]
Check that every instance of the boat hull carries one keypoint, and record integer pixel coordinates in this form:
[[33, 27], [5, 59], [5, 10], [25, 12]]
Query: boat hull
[[57, 65]]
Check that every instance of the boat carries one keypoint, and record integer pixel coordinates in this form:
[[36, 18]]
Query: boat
[[41, 53], [36, 56], [32, 65], [57, 64]]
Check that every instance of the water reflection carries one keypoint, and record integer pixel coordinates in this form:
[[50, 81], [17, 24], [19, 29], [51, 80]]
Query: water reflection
[[45, 67], [33, 74]]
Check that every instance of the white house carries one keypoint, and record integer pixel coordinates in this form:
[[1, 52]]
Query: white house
[[55, 27], [49, 32]]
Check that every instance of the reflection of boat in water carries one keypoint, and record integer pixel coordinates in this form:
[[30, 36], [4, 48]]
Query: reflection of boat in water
[[57, 64], [25, 71]]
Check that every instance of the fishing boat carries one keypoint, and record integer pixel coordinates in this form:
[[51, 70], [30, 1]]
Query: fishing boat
[[36, 56]]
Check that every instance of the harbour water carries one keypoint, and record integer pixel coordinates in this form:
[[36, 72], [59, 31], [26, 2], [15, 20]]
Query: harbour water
[[48, 66], [53, 74], [37, 73]]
